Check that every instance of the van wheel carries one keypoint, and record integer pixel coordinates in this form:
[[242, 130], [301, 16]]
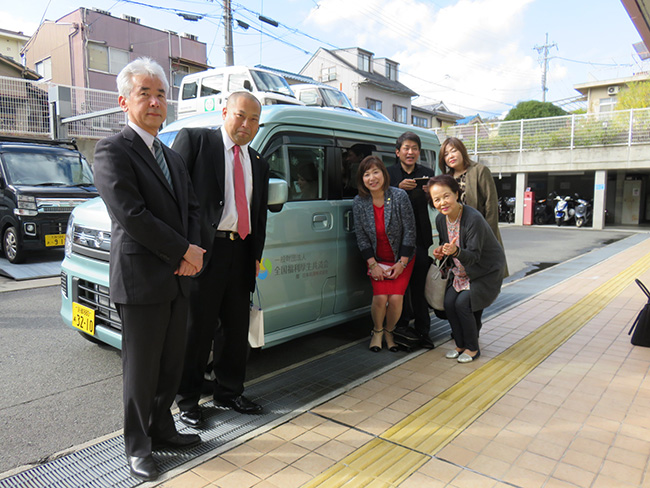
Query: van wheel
[[12, 248]]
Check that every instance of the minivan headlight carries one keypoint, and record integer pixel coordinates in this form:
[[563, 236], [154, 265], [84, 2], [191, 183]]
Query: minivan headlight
[[26, 206], [69, 236]]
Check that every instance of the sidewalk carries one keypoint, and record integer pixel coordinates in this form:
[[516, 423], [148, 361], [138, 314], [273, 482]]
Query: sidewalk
[[559, 398]]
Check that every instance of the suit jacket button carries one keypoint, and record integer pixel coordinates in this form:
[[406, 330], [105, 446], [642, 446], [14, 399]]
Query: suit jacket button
[[214, 226], [221, 203]]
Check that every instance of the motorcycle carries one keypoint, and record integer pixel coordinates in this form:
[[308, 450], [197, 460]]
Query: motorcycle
[[583, 212], [564, 209], [544, 211], [507, 209]]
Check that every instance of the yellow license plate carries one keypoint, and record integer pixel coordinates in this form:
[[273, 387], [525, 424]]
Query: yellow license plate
[[83, 318], [52, 240]]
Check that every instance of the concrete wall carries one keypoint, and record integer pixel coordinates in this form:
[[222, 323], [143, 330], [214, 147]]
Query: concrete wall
[[587, 159]]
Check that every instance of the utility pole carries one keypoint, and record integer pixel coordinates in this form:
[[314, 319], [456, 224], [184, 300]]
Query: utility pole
[[543, 59], [228, 47]]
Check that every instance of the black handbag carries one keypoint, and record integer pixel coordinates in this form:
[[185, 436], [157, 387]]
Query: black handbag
[[641, 325]]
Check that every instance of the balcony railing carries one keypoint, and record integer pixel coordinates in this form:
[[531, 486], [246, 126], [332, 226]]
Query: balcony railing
[[619, 128]]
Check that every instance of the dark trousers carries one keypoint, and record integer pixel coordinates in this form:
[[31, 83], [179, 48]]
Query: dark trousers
[[464, 323], [219, 314], [153, 345], [415, 304]]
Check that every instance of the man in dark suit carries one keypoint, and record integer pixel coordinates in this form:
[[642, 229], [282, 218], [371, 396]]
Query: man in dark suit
[[231, 183], [154, 235]]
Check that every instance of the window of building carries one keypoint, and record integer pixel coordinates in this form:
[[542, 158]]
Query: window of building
[[607, 104], [373, 104], [107, 59], [328, 74], [364, 62], [178, 74], [399, 114], [420, 121], [44, 68], [391, 71]]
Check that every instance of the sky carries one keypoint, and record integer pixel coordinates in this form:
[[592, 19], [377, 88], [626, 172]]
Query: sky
[[476, 56]]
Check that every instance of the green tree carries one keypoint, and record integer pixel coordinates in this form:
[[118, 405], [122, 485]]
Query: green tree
[[636, 95], [534, 109]]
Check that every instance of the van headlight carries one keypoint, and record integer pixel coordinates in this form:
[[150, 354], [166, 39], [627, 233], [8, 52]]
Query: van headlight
[[69, 236], [26, 206]]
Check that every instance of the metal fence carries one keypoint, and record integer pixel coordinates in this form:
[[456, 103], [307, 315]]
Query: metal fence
[[25, 107], [625, 127]]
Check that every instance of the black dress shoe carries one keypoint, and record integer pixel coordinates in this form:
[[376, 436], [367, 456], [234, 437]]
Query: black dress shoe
[[240, 404], [143, 467], [426, 343], [191, 418], [176, 441]]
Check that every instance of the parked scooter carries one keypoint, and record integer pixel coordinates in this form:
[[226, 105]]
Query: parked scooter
[[507, 209], [545, 210], [564, 209], [583, 212]]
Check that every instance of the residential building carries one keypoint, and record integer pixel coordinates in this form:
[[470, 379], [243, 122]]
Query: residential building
[[602, 96], [433, 116], [368, 82], [11, 43], [88, 48]]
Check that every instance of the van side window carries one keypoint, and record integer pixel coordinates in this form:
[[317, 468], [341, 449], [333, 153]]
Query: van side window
[[211, 85], [307, 167], [350, 160], [236, 82], [189, 91]]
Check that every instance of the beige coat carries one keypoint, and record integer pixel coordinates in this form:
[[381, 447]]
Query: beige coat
[[481, 194]]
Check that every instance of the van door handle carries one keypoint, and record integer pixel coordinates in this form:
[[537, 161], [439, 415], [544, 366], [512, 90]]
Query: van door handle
[[320, 221], [349, 222]]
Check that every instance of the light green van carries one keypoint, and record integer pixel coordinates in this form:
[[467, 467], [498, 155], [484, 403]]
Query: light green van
[[312, 275]]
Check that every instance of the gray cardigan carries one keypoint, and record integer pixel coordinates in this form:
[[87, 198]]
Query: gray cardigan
[[480, 254], [398, 219]]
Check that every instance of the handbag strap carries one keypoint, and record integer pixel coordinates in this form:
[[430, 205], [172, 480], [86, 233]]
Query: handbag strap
[[643, 288], [259, 299]]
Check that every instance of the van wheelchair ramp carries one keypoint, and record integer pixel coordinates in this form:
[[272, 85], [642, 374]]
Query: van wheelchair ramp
[[284, 396]]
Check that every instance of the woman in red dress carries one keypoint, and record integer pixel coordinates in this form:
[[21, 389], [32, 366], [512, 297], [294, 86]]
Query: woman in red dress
[[385, 229]]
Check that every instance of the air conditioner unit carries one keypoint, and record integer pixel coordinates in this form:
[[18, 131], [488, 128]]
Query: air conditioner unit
[[191, 37], [130, 18], [612, 90]]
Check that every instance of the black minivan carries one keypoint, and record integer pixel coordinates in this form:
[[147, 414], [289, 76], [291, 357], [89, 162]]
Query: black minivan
[[41, 181]]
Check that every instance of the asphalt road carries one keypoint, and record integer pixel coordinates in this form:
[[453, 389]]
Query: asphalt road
[[60, 391]]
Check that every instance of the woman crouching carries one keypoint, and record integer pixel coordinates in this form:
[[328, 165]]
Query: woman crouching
[[477, 265], [385, 229]]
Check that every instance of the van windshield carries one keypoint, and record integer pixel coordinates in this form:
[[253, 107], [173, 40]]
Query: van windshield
[[335, 98], [47, 168], [269, 82]]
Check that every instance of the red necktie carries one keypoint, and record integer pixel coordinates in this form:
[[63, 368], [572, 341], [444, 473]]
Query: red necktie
[[241, 202]]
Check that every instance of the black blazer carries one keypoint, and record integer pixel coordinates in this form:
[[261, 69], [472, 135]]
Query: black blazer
[[152, 225], [203, 152]]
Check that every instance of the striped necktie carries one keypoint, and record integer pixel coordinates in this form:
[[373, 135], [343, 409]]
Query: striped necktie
[[160, 159], [241, 202]]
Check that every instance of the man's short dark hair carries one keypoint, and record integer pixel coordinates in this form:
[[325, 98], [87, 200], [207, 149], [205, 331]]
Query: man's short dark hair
[[408, 136]]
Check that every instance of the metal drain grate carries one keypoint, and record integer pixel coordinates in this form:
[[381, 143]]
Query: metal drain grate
[[104, 464]]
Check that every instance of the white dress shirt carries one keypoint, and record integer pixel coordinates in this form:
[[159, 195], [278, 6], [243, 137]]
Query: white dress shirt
[[229, 218]]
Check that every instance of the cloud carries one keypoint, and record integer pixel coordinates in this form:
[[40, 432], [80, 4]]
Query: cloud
[[469, 54], [17, 24]]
